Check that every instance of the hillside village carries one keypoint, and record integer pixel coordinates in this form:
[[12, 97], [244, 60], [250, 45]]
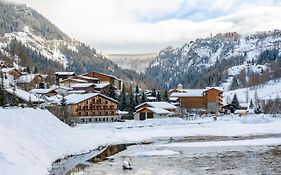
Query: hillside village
[[98, 97]]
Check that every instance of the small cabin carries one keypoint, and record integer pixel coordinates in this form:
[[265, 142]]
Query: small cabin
[[149, 110]]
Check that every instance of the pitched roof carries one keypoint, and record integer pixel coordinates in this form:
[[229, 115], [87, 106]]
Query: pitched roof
[[64, 73], [163, 105], [189, 93], [82, 85], [217, 88], [40, 91], [77, 98], [112, 76], [159, 111], [87, 77], [74, 79], [25, 96], [27, 78], [102, 85]]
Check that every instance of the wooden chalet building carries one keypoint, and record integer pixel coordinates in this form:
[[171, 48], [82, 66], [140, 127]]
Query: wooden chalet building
[[11, 72], [63, 75], [149, 110], [91, 107], [106, 78], [207, 100], [83, 88], [31, 81]]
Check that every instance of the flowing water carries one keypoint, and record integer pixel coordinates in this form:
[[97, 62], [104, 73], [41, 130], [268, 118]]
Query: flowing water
[[164, 159]]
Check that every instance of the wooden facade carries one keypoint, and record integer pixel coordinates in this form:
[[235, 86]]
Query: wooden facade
[[209, 101], [104, 78], [97, 108], [63, 75], [32, 84]]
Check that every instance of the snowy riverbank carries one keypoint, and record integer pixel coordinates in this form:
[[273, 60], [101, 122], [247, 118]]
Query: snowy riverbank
[[31, 139]]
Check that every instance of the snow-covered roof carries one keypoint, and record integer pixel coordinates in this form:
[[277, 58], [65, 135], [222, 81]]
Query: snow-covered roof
[[194, 92], [27, 78], [151, 98], [87, 77], [164, 105], [102, 85], [64, 73], [82, 85], [189, 93], [40, 91], [112, 76], [77, 92], [77, 98], [240, 111], [173, 98], [122, 112], [6, 70], [62, 87], [24, 95], [159, 110], [218, 88], [74, 79]]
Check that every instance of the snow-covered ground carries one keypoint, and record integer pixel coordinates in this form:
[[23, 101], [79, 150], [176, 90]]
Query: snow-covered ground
[[31, 139], [270, 90]]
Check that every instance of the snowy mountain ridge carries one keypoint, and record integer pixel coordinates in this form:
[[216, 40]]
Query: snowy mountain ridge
[[187, 65], [136, 62]]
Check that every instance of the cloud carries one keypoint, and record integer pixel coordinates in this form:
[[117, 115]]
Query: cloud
[[122, 26]]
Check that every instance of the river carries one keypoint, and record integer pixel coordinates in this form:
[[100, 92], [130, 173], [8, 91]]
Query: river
[[185, 158]]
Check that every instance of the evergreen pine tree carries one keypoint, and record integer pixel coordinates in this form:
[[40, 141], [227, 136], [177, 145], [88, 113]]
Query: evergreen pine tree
[[14, 99], [131, 103], [2, 90], [27, 69], [166, 96], [235, 101], [158, 96], [111, 92], [143, 97], [63, 103], [137, 91], [29, 102], [153, 93], [122, 99], [234, 84], [251, 104], [35, 69]]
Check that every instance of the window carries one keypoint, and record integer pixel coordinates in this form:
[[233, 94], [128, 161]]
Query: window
[[106, 113], [79, 113], [106, 102]]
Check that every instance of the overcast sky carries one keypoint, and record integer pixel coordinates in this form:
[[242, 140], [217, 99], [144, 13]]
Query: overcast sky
[[137, 26]]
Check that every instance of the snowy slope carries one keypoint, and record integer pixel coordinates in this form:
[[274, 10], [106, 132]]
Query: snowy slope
[[270, 90], [31, 139], [47, 48]]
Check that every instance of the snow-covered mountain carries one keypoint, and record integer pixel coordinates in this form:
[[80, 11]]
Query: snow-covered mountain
[[216, 61], [29, 39], [136, 62]]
